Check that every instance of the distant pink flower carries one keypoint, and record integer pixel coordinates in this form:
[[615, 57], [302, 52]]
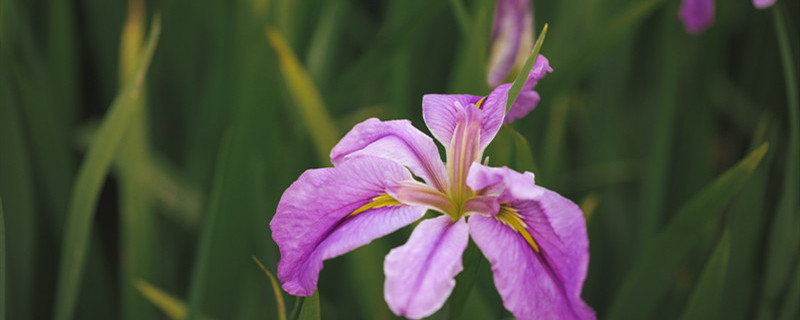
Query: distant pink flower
[[512, 38], [387, 174], [763, 4], [698, 15]]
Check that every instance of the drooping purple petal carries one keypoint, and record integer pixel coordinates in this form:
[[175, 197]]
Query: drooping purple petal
[[396, 140], [763, 4], [312, 222], [512, 37], [527, 99], [441, 112], [697, 15], [541, 282], [420, 274]]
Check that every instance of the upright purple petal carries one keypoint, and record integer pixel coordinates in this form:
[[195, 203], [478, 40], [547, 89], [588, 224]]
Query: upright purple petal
[[395, 140], [697, 15], [540, 282], [441, 113], [313, 221], [763, 4], [420, 274], [512, 37]]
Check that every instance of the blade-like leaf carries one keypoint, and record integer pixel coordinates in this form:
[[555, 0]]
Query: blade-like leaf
[[791, 302], [2, 264], [275, 288], [704, 302], [465, 281], [784, 239], [652, 273], [516, 88], [174, 308], [308, 100], [90, 179], [310, 308]]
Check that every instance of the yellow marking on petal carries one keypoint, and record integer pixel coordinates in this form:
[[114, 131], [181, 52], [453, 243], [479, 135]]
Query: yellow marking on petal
[[512, 219], [380, 201], [480, 102]]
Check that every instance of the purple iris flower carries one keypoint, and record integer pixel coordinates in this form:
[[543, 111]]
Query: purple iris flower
[[763, 4], [698, 15], [387, 174], [512, 38]]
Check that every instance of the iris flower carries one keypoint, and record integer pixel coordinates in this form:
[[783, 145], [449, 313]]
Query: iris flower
[[387, 174], [512, 38], [698, 15]]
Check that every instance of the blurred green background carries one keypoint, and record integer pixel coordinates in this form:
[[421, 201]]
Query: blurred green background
[[133, 196]]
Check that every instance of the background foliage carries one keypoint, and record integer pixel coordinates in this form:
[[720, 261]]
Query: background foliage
[[139, 188]]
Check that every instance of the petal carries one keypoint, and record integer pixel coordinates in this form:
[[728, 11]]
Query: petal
[[697, 15], [441, 113], [527, 99], [544, 281], [420, 274], [512, 37], [508, 185], [313, 220], [395, 140], [419, 194], [763, 4]]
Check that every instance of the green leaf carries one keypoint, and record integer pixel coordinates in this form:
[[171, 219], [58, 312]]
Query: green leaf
[[704, 302], [791, 302], [276, 288], [784, 239], [90, 180], [174, 308], [522, 76], [465, 280], [523, 156], [2, 264], [315, 115], [653, 272], [310, 308]]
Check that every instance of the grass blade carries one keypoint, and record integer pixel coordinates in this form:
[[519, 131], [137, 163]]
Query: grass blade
[[791, 304], [174, 308], [465, 281], [784, 239], [137, 224], [315, 115], [522, 76], [2, 264], [89, 182], [704, 302], [275, 288], [310, 308], [654, 188], [651, 276]]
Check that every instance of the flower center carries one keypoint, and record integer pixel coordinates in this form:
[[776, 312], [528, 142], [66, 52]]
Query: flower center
[[464, 149]]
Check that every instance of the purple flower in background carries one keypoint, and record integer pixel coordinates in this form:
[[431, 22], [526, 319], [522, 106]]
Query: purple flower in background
[[763, 4], [387, 174], [512, 38], [697, 15]]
